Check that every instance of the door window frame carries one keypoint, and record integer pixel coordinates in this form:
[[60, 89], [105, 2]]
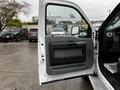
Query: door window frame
[[89, 32]]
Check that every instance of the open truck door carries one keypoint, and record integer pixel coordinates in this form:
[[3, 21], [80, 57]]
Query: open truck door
[[69, 51]]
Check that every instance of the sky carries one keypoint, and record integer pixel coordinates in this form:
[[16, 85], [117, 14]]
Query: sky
[[94, 9]]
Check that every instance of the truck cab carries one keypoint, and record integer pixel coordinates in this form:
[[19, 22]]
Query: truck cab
[[72, 54]]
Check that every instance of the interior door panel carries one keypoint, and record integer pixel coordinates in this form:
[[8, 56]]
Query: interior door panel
[[68, 54]]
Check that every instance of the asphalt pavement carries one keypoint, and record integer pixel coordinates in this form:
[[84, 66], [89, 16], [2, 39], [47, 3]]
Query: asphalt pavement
[[19, 70]]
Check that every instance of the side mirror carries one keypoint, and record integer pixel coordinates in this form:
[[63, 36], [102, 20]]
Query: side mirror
[[83, 34], [75, 30]]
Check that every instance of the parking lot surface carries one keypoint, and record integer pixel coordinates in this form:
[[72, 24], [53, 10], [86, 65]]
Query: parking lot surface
[[19, 70]]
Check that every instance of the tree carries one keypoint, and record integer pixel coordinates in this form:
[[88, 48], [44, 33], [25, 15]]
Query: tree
[[10, 9], [14, 23]]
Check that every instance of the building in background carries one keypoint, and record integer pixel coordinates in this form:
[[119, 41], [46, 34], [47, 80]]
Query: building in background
[[31, 25], [97, 23], [34, 22]]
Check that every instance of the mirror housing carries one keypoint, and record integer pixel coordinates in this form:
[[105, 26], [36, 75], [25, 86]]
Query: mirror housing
[[75, 30]]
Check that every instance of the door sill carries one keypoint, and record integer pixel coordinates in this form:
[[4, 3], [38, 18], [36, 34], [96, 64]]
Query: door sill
[[96, 83]]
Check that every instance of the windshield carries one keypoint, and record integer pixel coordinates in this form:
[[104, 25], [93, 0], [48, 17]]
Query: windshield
[[33, 30]]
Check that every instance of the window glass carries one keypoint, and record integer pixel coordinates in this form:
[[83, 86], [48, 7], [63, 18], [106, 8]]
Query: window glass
[[114, 23], [60, 20], [33, 30]]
